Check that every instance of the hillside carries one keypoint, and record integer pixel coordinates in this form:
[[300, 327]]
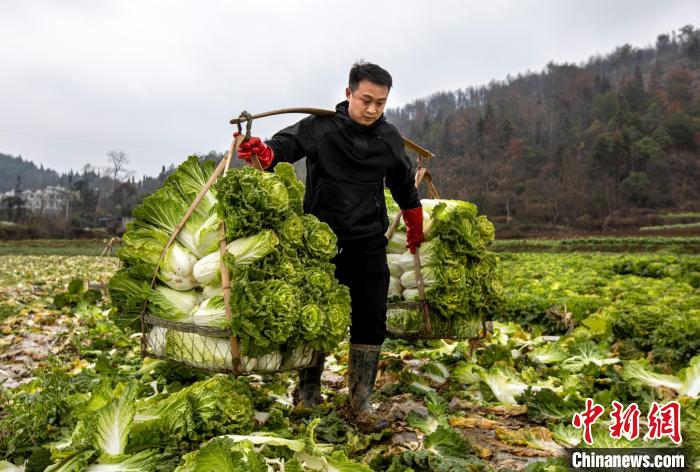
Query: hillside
[[587, 146], [31, 176]]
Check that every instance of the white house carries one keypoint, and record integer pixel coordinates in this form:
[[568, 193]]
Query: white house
[[52, 199]]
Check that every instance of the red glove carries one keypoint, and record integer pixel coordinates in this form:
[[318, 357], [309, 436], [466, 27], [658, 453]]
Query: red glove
[[413, 219], [255, 146]]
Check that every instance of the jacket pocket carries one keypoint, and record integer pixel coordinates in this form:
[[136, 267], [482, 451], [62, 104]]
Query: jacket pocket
[[349, 208]]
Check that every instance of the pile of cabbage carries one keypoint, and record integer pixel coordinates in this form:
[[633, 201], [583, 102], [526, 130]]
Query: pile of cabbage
[[459, 273], [285, 301]]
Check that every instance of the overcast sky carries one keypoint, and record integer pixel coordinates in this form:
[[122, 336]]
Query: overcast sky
[[161, 79]]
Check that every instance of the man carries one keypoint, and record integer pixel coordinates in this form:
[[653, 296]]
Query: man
[[349, 158]]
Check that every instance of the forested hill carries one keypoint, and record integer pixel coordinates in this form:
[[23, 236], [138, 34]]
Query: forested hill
[[30, 176], [578, 145]]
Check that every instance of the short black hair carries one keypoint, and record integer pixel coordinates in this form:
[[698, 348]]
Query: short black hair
[[362, 70]]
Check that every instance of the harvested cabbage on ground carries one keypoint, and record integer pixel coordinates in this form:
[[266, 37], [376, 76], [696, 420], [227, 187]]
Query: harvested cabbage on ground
[[429, 391], [285, 300]]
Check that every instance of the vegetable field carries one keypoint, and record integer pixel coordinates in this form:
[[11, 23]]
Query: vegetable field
[[612, 327]]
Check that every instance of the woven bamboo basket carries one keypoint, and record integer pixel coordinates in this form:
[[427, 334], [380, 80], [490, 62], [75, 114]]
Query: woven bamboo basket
[[216, 350], [415, 320]]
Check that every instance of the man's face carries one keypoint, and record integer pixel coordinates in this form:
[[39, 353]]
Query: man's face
[[367, 102]]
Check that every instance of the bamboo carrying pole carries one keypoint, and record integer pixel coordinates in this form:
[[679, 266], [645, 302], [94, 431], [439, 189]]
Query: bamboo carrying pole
[[242, 118], [222, 167]]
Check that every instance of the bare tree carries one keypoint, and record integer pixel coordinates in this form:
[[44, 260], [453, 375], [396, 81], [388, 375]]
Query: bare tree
[[118, 161]]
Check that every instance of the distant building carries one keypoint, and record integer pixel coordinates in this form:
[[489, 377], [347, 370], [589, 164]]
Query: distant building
[[52, 199]]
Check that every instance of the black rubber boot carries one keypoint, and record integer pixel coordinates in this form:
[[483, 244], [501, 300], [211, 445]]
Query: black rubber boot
[[310, 382], [362, 373]]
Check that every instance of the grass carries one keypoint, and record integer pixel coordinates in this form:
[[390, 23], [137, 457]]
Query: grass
[[676, 245], [684, 215], [55, 247], [680, 226]]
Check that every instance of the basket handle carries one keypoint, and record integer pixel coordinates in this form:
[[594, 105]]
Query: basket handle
[[421, 291], [423, 174]]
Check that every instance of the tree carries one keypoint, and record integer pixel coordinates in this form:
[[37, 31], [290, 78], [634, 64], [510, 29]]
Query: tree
[[634, 93], [690, 37], [86, 202], [122, 199], [681, 128], [635, 188], [679, 87], [118, 161], [14, 204]]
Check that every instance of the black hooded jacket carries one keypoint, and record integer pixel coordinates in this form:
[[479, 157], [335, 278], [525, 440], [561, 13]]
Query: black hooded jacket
[[347, 165]]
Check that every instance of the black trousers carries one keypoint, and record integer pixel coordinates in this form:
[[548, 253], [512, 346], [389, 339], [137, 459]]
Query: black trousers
[[361, 265]]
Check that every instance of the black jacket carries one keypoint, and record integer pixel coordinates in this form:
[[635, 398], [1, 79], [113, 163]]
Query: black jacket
[[347, 165]]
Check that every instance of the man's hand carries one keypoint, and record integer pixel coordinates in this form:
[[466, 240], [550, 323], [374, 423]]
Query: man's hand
[[255, 146], [413, 219]]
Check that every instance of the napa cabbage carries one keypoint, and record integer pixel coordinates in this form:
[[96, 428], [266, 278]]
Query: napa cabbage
[[173, 305], [143, 245], [249, 200], [211, 312], [240, 252], [266, 314]]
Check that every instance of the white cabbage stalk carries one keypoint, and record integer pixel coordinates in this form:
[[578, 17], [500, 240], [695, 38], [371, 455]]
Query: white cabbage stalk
[[688, 384], [207, 270], [636, 372], [411, 295], [10, 467], [244, 250], [144, 460], [211, 312], [176, 302], [181, 284], [202, 351], [397, 243], [548, 354], [248, 363], [428, 207], [406, 262], [299, 357], [113, 423], [209, 291], [156, 340], [408, 279], [176, 269], [429, 204], [269, 362], [206, 236], [427, 254], [393, 261], [691, 378], [394, 287], [504, 387]]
